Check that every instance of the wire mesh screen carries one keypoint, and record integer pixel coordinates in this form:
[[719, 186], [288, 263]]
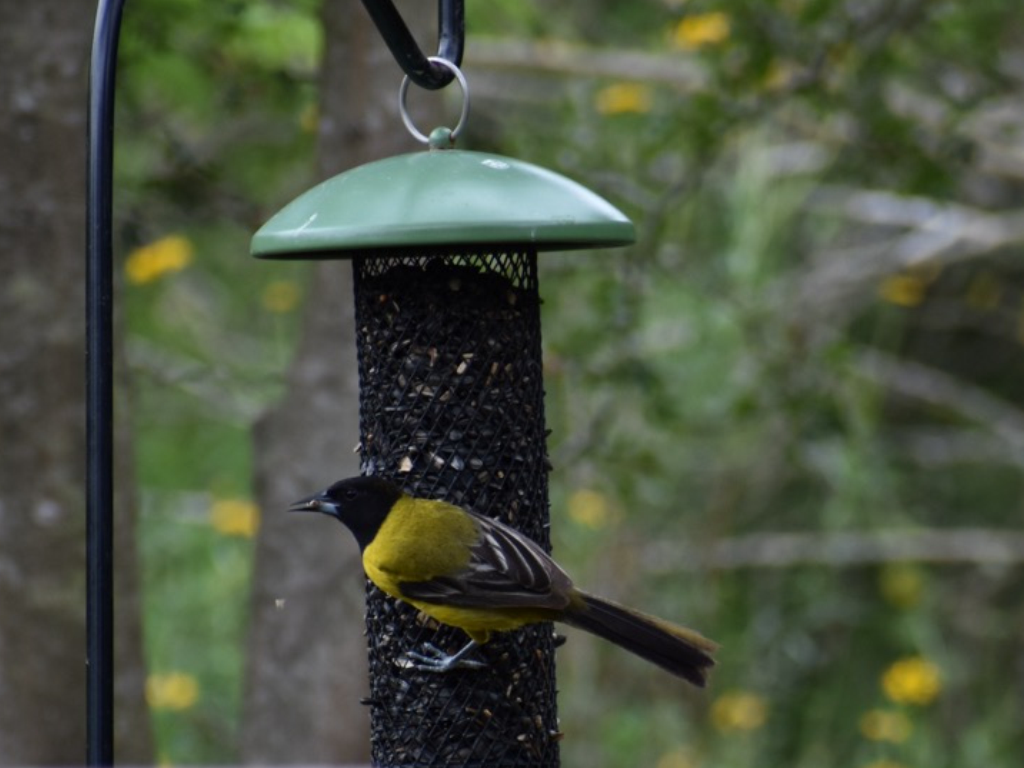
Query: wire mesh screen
[[451, 407]]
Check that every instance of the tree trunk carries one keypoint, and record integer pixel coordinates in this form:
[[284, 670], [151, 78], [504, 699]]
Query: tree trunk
[[44, 49], [307, 667]]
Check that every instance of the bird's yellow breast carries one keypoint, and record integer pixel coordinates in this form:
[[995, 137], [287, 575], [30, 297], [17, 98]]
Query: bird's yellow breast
[[418, 541], [421, 540]]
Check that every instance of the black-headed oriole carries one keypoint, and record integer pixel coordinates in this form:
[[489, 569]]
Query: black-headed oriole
[[482, 576]]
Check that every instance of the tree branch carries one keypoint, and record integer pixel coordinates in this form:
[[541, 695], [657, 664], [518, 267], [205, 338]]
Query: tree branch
[[927, 384], [842, 549]]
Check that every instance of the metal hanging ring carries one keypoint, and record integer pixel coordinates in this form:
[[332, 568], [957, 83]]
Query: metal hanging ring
[[404, 112]]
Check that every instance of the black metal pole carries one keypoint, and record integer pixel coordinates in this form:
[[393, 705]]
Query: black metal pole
[[100, 389]]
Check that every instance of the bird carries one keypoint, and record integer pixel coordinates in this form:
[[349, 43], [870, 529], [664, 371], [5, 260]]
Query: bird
[[475, 573]]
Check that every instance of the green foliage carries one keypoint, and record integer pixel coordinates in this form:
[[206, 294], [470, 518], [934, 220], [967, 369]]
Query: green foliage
[[195, 583], [216, 125]]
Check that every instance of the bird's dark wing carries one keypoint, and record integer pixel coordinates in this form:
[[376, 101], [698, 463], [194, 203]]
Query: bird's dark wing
[[506, 570]]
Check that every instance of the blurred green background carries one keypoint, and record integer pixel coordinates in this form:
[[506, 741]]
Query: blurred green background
[[791, 415]]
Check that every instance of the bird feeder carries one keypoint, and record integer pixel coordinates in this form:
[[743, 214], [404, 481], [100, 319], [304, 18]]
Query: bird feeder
[[444, 247]]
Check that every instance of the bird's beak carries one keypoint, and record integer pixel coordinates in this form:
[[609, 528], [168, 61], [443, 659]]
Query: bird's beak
[[315, 503]]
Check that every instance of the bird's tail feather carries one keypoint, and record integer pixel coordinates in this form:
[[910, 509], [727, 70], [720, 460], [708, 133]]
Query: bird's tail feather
[[679, 650]]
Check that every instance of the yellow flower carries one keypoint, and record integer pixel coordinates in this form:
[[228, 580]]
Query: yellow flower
[[780, 75], [680, 757], [590, 508], [885, 725], [149, 262], [174, 690], [700, 30], [621, 98], [309, 118], [281, 296], [904, 290], [235, 517], [984, 292], [739, 711], [913, 680], [901, 584]]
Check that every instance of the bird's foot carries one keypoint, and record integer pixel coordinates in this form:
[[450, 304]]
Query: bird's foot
[[433, 659]]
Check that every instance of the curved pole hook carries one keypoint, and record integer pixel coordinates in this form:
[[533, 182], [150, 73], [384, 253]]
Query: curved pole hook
[[451, 35]]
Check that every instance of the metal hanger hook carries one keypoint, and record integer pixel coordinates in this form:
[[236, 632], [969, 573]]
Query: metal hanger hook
[[451, 36]]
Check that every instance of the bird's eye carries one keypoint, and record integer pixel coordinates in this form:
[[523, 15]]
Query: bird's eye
[[351, 493]]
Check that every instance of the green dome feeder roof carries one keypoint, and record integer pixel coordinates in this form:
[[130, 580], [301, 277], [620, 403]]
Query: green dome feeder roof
[[436, 198]]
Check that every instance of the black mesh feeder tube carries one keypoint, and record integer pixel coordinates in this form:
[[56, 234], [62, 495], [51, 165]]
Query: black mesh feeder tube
[[444, 249]]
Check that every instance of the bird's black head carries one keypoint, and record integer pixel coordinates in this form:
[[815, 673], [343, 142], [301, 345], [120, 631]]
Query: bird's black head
[[361, 503]]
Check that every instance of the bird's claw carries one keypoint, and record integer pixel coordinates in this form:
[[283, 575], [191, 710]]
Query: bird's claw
[[435, 660]]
